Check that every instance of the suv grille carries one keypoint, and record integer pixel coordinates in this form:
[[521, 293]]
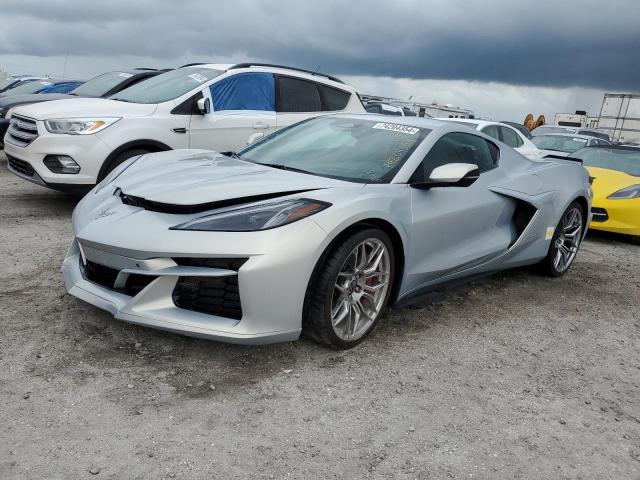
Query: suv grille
[[599, 214], [218, 296], [106, 277], [20, 166], [22, 131]]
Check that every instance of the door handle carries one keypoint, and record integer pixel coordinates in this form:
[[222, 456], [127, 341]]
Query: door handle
[[180, 130], [260, 125]]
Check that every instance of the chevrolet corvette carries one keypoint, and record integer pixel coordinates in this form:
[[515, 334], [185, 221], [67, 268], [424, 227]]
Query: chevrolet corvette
[[318, 228]]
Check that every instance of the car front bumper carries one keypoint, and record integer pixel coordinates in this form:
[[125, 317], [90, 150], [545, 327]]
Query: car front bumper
[[617, 216], [88, 151], [272, 282]]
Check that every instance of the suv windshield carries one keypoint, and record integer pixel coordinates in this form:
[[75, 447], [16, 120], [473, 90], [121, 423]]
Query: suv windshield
[[623, 160], [98, 86], [167, 86], [357, 150], [559, 143]]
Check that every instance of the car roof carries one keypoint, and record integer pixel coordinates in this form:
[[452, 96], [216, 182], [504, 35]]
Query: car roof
[[572, 135], [630, 148], [298, 72]]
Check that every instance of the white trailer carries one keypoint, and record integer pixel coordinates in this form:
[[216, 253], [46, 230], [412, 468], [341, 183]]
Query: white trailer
[[620, 117]]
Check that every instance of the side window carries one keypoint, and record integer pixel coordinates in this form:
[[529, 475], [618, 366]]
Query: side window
[[458, 147], [333, 99], [296, 95], [492, 131], [245, 91], [509, 137]]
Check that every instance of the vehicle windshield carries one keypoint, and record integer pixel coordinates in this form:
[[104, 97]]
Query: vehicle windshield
[[6, 82], [98, 86], [559, 143], [623, 160], [356, 150], [544, 129], [167, 86], [27, 88]]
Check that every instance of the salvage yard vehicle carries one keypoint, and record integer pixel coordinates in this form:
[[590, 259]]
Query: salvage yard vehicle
[[318, 227], [387, 109], [73, 144], [103, 85], [505, 133], [616, 187], [587, 132], [15, 81], [562, 144], [42, 86]]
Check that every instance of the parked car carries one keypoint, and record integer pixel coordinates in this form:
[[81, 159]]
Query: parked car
[[15, 81], [504, 133], [72, 144], [562, 144], [317, 228], [387, 109], [103, 86], [41, 86], [616, 187], [588, 132], [521, 128]]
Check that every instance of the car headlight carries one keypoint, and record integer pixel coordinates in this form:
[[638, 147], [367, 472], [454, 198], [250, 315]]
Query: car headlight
[[258, 217], [115, 173], [78, 126], [626, 193]]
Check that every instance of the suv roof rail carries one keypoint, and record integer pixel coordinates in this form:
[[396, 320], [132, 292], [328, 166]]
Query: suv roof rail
[[191, 64], [251, 64]]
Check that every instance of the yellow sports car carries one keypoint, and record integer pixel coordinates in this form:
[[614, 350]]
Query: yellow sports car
[[616, 187]]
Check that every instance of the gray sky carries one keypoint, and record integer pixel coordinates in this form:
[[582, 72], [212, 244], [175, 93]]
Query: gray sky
[[501, 58]]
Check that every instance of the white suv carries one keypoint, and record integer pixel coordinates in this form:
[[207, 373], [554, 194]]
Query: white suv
[[71, 145]]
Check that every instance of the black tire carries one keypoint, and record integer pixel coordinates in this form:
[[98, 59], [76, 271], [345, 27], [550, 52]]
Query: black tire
[[124, 156], [548, 266], [316, 317]]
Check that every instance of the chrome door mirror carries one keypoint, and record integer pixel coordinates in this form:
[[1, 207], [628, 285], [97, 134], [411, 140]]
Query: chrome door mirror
[[204, 105]]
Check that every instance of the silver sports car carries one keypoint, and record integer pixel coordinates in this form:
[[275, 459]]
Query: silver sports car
[[318, 228]]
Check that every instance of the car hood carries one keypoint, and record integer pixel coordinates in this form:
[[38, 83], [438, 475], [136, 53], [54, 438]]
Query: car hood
[[201, 177], [31, 98], [85, 107], [608, 181]]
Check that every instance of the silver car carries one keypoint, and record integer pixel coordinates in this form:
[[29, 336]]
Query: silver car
[[318, 228]]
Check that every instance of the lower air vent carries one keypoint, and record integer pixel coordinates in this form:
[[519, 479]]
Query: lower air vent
[[218, 296], [20, 166], [599, 214], [106, 277]]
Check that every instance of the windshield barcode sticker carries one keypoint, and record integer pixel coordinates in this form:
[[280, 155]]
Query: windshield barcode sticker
[[198, 78], [394, 127]]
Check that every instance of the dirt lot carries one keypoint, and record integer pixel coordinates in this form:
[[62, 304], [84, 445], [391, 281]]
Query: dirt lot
[[517, 376]]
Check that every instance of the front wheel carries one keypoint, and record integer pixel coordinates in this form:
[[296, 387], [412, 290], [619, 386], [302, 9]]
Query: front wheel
[[565, 242], [350, 290]]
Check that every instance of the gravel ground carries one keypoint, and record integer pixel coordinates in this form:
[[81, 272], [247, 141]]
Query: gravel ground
[[516, 376]]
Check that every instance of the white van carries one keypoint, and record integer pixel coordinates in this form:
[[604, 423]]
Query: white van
[[70, 145]]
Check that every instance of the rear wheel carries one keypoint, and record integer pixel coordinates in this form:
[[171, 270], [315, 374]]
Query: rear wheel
[[123, 157], [350, 290], [565, 242]]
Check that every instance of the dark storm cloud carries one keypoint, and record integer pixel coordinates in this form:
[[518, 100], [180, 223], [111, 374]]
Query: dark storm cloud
[[550, 43]]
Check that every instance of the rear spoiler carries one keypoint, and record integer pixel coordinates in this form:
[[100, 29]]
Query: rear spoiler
[[560, 157]]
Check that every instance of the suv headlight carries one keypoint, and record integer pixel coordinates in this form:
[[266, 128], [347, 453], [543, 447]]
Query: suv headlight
[[78, 126], [626, 193], [257, 217]]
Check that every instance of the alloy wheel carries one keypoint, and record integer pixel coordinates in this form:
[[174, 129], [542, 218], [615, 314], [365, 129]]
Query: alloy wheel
[[360, 289], [567, 242]]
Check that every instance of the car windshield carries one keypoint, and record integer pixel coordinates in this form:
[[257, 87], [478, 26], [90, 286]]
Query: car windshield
[[623, 160], [98, 86], [559, 143], [6, 82], [167, 86], [29, 87], [357, 150], [544, 129]]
